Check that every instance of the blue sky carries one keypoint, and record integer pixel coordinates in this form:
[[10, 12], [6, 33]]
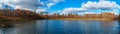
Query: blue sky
[[61, 5], [65, 6], [74, 3]]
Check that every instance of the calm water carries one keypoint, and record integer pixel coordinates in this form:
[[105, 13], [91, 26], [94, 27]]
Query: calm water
[[62, 27]]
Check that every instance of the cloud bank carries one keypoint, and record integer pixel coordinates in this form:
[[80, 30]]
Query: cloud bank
[[23, 4], [101, 5], [29, 4]]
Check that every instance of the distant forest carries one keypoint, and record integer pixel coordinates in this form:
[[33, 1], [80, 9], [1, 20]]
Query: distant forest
[[6, 14]]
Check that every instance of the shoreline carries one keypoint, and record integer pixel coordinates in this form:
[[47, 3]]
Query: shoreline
[[76, 19], [4, 25]]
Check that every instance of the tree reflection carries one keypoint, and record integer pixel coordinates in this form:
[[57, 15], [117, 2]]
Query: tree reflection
[[119, 27]]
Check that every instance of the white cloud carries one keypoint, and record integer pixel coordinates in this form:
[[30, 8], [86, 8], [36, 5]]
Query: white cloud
[[89, 13], [24, 4], [50, 4], [41, 3], [101, 5], [0, 5], [53, 2], [1, 2], [73, 9], [40, 10], [104, 5]]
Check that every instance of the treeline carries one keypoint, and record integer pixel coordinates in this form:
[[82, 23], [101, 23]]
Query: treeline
[[118, 18], [6, 14], [106, 15]]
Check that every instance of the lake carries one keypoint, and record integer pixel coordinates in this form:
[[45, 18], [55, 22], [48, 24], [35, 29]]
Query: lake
[[62, 27]]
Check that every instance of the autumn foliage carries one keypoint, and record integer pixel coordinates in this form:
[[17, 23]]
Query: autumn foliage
[[18, 14]]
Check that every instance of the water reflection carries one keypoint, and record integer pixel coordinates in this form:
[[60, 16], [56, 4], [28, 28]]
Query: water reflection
[[63, 27], [21, 27], [76, 27], [119, 27]]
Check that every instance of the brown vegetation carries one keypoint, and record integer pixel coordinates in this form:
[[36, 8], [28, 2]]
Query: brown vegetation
[[118, 18], [18, 15], [102, 16]]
